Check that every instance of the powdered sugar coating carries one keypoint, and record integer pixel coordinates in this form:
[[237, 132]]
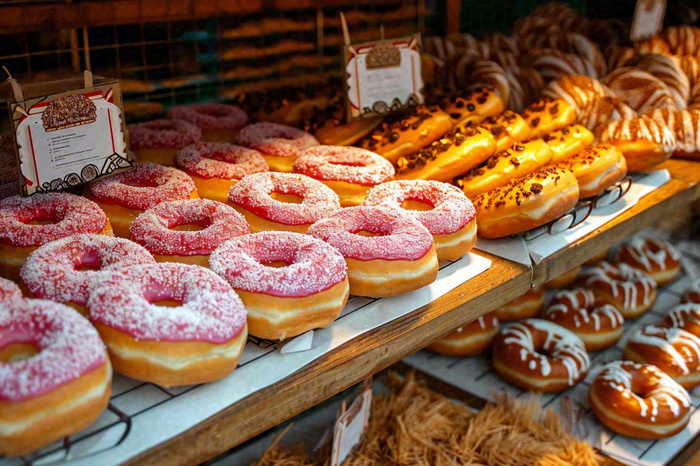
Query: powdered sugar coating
[[401, 236], [9, 291], [275, 139], [72, 214], [211, 115], [314, 266], [152, 228], [220, 160], [253, 193], [56, 270], [452, 210], [134, 189], [69, 347], [163, 134], [211, 311], [349, 164]]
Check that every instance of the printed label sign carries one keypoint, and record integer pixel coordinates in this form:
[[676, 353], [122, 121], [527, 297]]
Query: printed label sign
[[383, 77], [648, 19], [350, 426], [69, 139]]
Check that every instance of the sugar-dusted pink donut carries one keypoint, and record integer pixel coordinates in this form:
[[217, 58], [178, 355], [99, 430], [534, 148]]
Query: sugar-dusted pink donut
[[9, 291], [154, 229], [66, 270], [451, 218], [22, 227], [211, 115], [62, 388], [307, 292], [153, 341], [144, 186], [216, 166], [220, 160], [388, 252], [163, 134], [72, 214], [279, 144], [349, 171], [125, 195], [253, 197]]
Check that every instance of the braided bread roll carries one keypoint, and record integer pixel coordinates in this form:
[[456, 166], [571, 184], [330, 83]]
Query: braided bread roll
[[526, 85], [644, 142], [668, 70], [554, 64], [639, 89], [603, 109], [471, 72], [617, 56]]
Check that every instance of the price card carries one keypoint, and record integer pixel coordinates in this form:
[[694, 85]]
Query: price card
[[351, 425], [66, 139], [383, 77], [648, 19]]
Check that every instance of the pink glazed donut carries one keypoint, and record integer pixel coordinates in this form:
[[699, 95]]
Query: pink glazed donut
[[218, 122], [9, 291], [349, 171], [388, 252], [279, 144], [125, 195], [450, 218], [67, 270], [55, 376], [216, 166], [169, 324], [158, 141], [282, 201], [204, 225], [289, 282], [29, 222]]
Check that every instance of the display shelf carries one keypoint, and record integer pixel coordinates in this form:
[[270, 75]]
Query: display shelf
[[378, 349]]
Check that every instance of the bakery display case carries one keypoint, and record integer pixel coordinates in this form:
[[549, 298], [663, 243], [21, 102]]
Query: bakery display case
[[202, 247]]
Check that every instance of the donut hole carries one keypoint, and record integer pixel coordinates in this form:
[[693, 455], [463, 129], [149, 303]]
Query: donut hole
[[162, 296], [369, 233], [19, 351], [189, 227], [167, 303], [141, 183], [414, 204], [286, 197], [41, 218], [87, 261], [278, 264], [347, 163]]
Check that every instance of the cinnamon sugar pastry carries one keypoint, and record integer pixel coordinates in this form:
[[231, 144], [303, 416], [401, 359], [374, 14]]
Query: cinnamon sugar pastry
[[640, 90], [669, 71], [685, 125], [644, 142]]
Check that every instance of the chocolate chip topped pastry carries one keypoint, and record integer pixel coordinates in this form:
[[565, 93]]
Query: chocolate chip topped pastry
[[408, 132], [472, 106], [457, 152], [507, 128], [568, 141], [519, 160], [547, 115]]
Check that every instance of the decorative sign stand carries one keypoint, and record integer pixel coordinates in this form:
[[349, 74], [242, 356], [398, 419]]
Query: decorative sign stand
[[67, 135], [648, 19], [381, 77]]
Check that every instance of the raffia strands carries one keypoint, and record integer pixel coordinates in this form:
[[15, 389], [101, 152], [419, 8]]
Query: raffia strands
[[415, 426]]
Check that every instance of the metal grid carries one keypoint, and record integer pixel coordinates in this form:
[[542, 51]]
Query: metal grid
[[181, 61]]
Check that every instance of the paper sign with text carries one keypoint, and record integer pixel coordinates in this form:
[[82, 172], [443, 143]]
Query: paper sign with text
[[351, 425], [383, 77], [648, 19], [70, 138]]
